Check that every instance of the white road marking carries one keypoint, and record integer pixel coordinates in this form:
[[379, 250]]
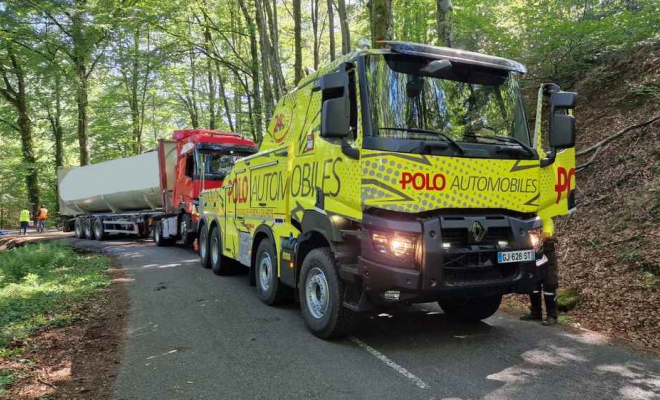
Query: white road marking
[[420, 383]]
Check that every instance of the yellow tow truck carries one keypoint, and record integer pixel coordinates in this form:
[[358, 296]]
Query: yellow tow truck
[[403, 174]]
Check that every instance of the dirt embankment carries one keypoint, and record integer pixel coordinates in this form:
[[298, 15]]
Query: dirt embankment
[[610, 249]]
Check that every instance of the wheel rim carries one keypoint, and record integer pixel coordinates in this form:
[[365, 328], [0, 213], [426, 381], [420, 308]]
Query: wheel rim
[[202, 244], [265, 271], [98, 229], [215, 256], [78, 229], [157, 233], [317, 293], [184, 226]]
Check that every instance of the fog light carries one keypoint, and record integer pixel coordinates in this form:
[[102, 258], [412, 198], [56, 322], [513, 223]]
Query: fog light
[[392, 295], [502, 243], [446, 245]]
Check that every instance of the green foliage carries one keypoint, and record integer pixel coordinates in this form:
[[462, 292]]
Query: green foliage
[[40, 284], [567, 299], [6, 379]]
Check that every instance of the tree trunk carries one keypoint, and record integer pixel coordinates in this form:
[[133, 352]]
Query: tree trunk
[[81, 55], [297, 42], [17, 97], [315, 31], [444, 23], [273, 43], [134, 102], [266, 57], [209, 71], [381, 21], [55, 120], [254, 71], [81, 102], [331, 29], [223, 95], [345, 32]]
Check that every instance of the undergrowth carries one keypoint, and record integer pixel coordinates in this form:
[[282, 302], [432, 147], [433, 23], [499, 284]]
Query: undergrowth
[[40, 285]]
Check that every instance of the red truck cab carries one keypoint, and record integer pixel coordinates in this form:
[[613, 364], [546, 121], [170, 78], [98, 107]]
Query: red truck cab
[[204, 157]]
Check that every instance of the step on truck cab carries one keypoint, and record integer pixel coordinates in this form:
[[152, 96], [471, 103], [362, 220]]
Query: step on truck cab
[[404, 174]]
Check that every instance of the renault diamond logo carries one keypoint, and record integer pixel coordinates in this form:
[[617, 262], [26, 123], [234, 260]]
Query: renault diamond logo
[[478, 231]]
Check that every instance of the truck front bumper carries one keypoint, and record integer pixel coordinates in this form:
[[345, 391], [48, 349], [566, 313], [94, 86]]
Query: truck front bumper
[[464, 267]]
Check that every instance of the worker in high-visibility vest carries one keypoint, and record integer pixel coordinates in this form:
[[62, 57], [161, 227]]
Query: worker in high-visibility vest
[[42, 216], [25, 221]]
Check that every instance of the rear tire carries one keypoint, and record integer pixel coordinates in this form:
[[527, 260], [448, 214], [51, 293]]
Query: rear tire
[[269, 287], [219, 264], [99, 231], [472, 309], [89, 230], [321, 296], [80, 228], [204, 257]]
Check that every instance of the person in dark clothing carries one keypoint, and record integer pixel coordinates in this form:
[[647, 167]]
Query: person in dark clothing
[[546, 291]]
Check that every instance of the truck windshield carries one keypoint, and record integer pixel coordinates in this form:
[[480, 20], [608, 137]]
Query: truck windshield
[[218, 165], [456, 103]]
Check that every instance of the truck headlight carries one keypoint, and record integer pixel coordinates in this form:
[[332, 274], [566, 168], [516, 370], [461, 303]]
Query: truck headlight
[[395, 244], [536, 238]]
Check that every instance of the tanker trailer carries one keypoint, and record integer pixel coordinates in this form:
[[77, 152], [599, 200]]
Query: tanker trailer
[[155, 192]]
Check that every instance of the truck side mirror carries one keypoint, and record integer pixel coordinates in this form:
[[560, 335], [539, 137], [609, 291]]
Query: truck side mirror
[[335, 112], [562, 126]]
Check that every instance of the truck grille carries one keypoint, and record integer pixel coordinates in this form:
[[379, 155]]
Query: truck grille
[[462, 236]]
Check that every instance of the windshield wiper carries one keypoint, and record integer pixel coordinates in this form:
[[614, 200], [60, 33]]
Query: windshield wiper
[[421, 130], [501, 138]]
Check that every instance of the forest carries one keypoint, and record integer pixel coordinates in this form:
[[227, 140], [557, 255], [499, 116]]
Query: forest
[[83, 81]]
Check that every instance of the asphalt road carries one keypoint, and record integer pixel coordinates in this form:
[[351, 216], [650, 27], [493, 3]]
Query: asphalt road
[[194, 335]]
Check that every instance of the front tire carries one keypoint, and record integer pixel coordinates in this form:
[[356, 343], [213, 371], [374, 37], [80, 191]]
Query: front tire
[[269, 287], [321, 296], [158, 235], [219, 264], [204, 247], [472, 309]]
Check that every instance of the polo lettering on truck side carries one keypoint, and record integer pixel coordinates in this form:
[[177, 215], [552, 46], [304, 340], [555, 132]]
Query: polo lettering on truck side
[[420, 181]]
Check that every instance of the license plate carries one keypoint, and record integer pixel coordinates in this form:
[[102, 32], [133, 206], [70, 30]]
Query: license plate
[[504, 257]]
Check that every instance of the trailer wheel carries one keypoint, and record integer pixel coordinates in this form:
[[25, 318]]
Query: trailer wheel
[[321, 296], [99, 231], [219, 263], [269, 287], [472, 309], [79, 226], [204, 247], [158, 235], [89, 229]]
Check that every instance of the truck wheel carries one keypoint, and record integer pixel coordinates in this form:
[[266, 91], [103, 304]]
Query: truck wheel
[[321, 296], [98, 229], [89, 229], [219, 264], [269, 287], [158, 235], [184, 225], [79, 228], [472, 309], [204, 247]]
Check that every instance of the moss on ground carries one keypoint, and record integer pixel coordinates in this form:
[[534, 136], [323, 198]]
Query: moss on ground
[[567, 299]]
